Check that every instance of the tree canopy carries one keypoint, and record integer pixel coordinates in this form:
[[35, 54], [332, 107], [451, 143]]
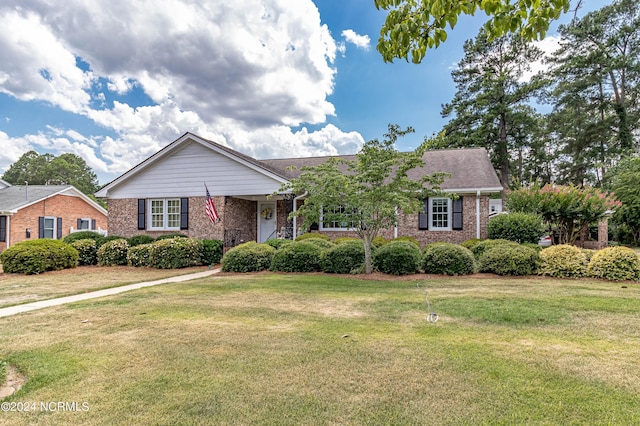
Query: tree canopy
[[47, 169], [365, 193], [413, 26]]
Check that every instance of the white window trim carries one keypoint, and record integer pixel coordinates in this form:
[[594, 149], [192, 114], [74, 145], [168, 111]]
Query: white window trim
[[165, 215], [432, 227], [321, 226], [55, 227]]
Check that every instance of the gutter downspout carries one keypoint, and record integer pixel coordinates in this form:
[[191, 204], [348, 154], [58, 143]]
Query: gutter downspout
[[478, 214], [395, 227], [295, 218]]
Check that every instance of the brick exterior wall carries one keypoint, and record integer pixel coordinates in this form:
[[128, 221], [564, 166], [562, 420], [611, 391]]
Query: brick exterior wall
[[69, 208]]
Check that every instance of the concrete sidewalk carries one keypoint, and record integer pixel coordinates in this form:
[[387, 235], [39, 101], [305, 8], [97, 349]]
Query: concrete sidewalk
[[12, 310]]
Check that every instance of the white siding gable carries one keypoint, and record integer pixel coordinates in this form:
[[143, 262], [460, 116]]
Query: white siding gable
[[184, 172]]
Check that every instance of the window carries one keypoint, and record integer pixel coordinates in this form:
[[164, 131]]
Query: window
[[164, 213], [84, 224], [49, 228], [439, 208], [340, 218], [441, 214]]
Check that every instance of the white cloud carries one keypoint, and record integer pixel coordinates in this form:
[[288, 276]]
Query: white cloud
[[548, 45], [240, 73], [361, 41]]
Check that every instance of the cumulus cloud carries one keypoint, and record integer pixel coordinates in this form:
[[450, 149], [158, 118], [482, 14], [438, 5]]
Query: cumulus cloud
[[241, 73]]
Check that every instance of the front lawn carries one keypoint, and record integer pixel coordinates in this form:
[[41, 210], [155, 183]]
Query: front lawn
[[319, 349]]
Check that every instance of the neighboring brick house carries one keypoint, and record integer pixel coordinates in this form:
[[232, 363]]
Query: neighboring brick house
[[46, 211], [166, 193]]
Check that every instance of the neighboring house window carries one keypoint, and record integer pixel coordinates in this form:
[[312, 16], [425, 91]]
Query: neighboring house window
[[3, 229], [166, 214], [84, 224], [348, 222], [50, 227], [441, 214]]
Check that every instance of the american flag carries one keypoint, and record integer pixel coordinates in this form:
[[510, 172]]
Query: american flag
[[210, 208]]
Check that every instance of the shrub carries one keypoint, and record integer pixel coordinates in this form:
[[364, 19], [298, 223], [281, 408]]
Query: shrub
[[448, 259], [37, 256], [408, 239], [174, 253], [248, 257], [276, 243], [300, 256], [379, 242], [140, 255], [319, 242], [105, 240], [140, 239], [471, 242], [588, 254], [563, 260], [170, 236], [342, 240], [312, 235], [615, 263], [211, 252], [510, 260], [479, 249], [344, 258], [83, 235], [397, 258], [87, 251], [113, 252], [519, 227]]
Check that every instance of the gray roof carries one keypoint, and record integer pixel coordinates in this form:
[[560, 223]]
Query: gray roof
[[470, 168], [14, 198]]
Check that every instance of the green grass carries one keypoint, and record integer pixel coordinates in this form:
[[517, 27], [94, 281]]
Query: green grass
[[316, 349]]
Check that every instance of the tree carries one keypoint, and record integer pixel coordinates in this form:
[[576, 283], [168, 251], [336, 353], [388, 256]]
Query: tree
[[413, 26], [47, 169], [489, 107], [625, 181], [367, 192]]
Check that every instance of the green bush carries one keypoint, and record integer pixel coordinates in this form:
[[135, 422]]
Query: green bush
[[175, 253], [113, 252], [83, 235], [342, 240], [276, 243], [479, 249], [616, 264], [211, 252], [248, 257], [313, 235], [518, 227], [140, 239], [408, 239], [379, 242], [87, 251], [398, 258], [588, 254], [37, 256], [105, 240], [300, 256], [510, 260], [344, 258], [471, 242], [563, 261], [170, 236], [319, 242], [448, 259], [140, 255]]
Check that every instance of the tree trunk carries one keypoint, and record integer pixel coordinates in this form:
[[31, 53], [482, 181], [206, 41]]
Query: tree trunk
[[367, 254]]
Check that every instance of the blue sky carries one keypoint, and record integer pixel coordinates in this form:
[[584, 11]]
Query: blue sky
[[114, 81]]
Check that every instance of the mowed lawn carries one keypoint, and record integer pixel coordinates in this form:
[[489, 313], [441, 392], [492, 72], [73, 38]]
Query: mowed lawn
[[319, 349]]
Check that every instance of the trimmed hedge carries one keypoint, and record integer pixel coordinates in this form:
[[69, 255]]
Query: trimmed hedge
[[342, 240], [448, 259], [379, 242], [37, 256], [174, 253], [276, 243], [313, 235], [83, 235], [87, 251], [471, 242], [211, 252], [248, 257], [408, 239], [140, 239], [518, 227], [140, 255], [563, 261], [170, 236], [398, 258], [299, 256], [616, 264], [509, 260], [345, 258], [319, 242], [480, 248], [113, 253]]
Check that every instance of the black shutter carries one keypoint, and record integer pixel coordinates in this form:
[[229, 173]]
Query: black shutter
[[423, 218], [59, 229], [3, 229], [41, 227], [79, 224], [93, 224], [184, 213], [142, 215], [457, 214]]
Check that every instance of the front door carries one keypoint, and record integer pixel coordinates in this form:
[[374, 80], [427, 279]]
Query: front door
[[266, 221]]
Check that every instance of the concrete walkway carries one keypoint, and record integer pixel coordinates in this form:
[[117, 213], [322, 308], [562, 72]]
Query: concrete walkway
[[12, 310]]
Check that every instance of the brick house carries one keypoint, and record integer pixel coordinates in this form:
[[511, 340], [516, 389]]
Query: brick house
[[166, 193], [46, 211]]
